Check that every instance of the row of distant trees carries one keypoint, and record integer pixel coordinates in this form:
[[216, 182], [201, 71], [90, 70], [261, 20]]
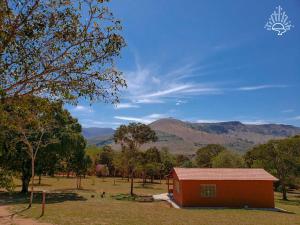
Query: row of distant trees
[[63, 151]]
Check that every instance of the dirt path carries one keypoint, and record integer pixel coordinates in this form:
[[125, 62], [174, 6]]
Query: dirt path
[[7, 219]]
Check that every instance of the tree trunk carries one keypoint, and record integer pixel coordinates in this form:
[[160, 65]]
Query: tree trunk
[[25, 183], [40, 179], [131, 185], [284, 192], [114, 177], [32, 180], [144, 180]]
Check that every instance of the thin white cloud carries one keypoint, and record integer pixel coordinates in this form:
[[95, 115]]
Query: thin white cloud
[[180, 102], [209, 121], [167, 91], [255, 122], [288, 111], [148, 101], [185, 70], [183, 90], [156, 116], [204, 90], [147, 85], [83, 109], [135, 119], [145, 119], [97, 123], [259, 87], [295, 118], [126, 106]]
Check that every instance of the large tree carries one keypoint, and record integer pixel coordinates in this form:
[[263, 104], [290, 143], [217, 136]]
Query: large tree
[[59, 49], [279, 157], [32, 120], [131, 137], [33, 124]]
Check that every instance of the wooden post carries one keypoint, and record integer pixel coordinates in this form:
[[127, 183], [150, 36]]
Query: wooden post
[[43, 202]]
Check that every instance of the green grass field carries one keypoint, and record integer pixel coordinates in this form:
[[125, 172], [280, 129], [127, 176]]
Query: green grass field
[[66, 205]]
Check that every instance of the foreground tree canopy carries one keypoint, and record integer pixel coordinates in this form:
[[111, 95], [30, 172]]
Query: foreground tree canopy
[[60, 49], [39, 136]]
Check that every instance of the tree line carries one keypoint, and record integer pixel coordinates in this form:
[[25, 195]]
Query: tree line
[[65, 151]]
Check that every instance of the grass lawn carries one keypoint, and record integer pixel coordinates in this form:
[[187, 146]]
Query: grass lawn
[[66, 205]]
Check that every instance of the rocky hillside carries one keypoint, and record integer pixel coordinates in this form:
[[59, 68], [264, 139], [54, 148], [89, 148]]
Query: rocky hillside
[[186, 137]]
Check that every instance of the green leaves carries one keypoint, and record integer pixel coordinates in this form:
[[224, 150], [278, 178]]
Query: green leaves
[[205, 155], [55, 49], [279, 157], [134, 135], [37, 128], [6, 180]]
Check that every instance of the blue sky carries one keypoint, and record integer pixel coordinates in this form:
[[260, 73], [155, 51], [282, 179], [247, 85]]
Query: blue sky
[[205, 61]]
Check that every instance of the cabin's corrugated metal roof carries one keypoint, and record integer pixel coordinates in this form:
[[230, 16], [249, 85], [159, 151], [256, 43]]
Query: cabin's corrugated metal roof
[[223, 174]]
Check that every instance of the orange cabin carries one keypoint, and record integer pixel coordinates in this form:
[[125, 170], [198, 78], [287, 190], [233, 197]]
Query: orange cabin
[[220, 187]]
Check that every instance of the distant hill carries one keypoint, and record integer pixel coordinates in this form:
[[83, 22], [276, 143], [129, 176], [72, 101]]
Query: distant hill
[[186, 137], [93, 132]]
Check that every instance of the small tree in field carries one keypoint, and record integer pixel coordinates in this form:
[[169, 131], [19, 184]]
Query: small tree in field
[[131, 137]]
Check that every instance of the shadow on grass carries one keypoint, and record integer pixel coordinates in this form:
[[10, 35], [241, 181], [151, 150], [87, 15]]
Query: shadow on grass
[[19, 198], [36, 185], [148, 186], [293, 198], [294, 202], [68, 190]]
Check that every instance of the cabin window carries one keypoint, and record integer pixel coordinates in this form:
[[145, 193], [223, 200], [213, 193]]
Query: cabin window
[[176, 184], [208, 190]]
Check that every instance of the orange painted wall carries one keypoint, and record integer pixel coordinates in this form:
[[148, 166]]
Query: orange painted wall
[[255, 194], [177, 196]]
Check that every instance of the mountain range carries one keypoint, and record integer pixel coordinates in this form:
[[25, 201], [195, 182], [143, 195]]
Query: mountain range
[[186, 137]]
